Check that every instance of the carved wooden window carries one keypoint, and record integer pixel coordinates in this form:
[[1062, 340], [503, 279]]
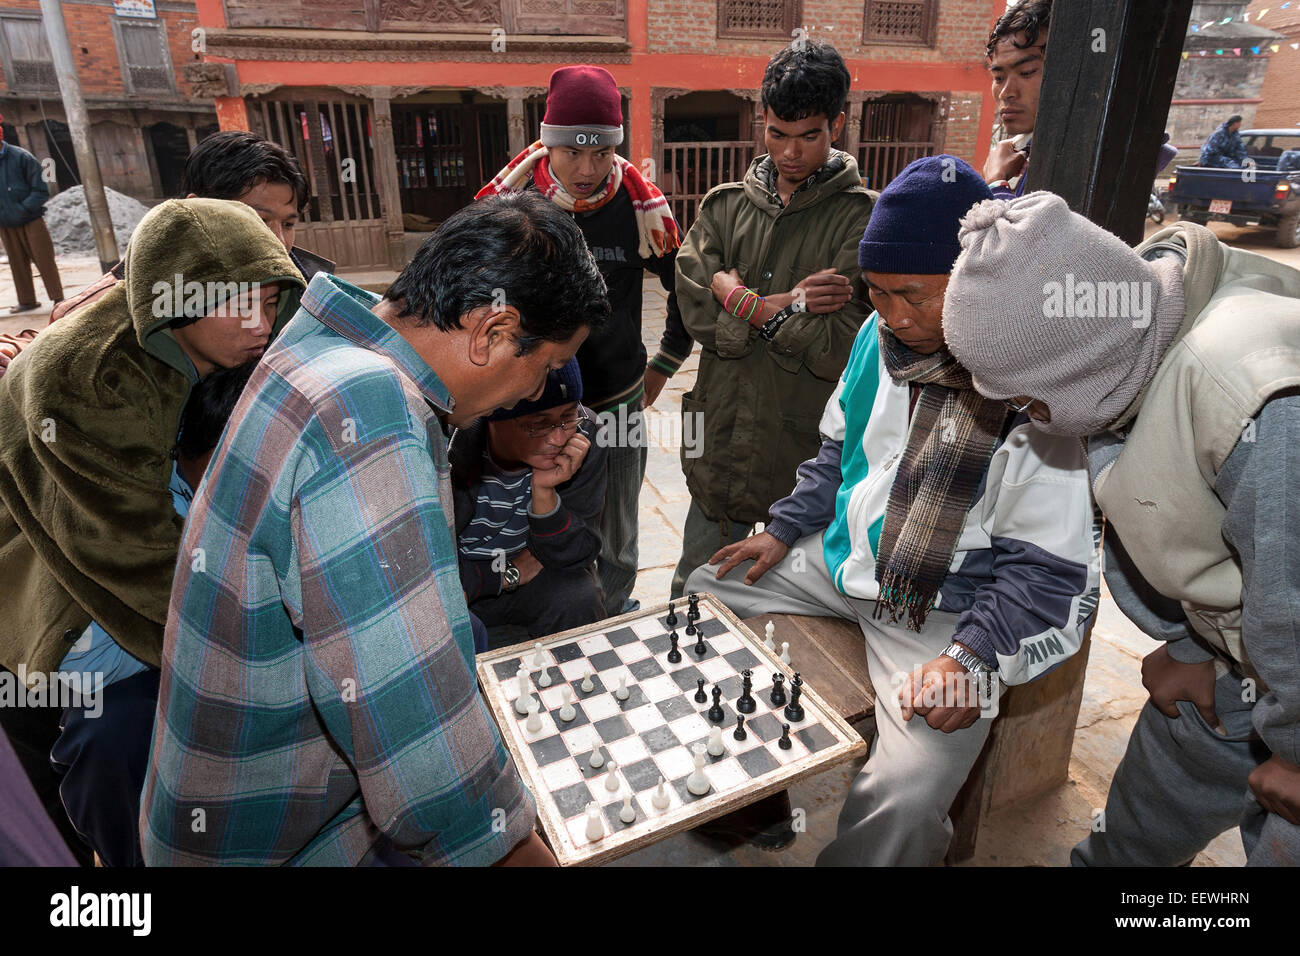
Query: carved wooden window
[[762, 19], [908, 22], [28, 64], [146, 64]]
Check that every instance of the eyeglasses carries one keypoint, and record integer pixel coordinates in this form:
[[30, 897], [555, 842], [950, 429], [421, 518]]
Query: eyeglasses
[[1018, 409], [537, 431]]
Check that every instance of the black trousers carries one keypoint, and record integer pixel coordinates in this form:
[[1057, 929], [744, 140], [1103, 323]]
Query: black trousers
[[551, 602]]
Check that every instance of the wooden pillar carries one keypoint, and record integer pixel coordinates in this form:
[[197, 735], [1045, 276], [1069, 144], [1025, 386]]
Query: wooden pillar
[[1107, 83], [390, 199], [191, 136], [516, 127], [853, 123]]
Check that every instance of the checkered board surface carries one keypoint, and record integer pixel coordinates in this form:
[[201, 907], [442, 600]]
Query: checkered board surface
[[651, 733]]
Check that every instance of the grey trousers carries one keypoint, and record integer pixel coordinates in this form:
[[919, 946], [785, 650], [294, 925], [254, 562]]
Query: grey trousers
[[896, 813], [619, 558], [701, 538], [1180, 785]]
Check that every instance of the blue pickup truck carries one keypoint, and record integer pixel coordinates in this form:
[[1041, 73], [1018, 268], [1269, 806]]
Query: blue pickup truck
[[1266, 193]]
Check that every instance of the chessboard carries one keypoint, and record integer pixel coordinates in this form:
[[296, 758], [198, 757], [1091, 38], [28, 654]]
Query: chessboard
[[652, 734]]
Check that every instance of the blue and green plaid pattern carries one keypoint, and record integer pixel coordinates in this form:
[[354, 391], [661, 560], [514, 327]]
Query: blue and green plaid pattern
[[318, 684]]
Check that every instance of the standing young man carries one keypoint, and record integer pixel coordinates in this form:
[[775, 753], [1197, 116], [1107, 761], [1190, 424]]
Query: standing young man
[[1015, 52], [763, 280], [23, 195], [630, 229], [318, 699]]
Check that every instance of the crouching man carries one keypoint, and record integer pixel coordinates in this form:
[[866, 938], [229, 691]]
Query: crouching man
[[957, 537]]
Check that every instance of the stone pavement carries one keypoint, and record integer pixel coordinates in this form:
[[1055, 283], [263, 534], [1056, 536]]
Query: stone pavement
[[1040, 832]]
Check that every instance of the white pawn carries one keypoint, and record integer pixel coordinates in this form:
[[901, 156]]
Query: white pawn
[[595, 825], [660, 799], [567, 712], [525, 692], [587, 685], [534, 722], [538, 660], [544, 678], [698, 782], [622, 693], [611, 780], [628, 813], [785, 653], [716, 747], [767, 637], [597, 759]]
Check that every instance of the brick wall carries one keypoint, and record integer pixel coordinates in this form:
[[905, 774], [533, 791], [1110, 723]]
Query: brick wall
[[1281, 90], [962, 126], [94, 46], [690, 26]]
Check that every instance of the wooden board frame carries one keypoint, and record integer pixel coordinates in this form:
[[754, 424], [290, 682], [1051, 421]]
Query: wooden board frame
[[849, 745]]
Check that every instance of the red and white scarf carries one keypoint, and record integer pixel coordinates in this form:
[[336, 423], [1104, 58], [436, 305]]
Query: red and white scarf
[[654, 220]]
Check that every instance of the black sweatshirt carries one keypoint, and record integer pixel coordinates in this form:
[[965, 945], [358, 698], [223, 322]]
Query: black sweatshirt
[[613, 360]]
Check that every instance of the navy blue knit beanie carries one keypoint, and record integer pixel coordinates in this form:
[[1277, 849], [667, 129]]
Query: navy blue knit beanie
[[562, 387], [914, 224]]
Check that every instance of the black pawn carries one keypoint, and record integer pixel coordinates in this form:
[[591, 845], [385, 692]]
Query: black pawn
[[778, 690], [674, 655], [745, 703], [700, 696], [740, 727], [691, 629], [716, 713], [671, 619], [785, 743], [794, 710], [700, 647]]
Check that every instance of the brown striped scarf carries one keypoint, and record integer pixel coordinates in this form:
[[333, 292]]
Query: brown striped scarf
[[954, 430]]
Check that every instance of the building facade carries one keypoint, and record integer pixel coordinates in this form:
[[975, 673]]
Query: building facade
[[130, 58], [401, 109], [1279, 106]]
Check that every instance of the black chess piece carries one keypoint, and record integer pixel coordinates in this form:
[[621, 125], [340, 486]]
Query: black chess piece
[[778, 690], [794, 710], [693, 609], [700, 696], [740, 733], [700, 647], [674, 655], [745, 703], [671, 619], [716, 713], [785, 743], [691, 629]]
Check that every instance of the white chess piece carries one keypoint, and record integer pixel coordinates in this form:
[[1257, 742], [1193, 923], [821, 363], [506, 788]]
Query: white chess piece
[[628, 813], [567, 712], [611, 779], [716, 747], [785, 653], [587, 685], [698, 782], [534, 722], [660, 799], [525, 692], [597, 759], [539, 661], [622, 692], [544, 678], [595, 825], [767, 637]]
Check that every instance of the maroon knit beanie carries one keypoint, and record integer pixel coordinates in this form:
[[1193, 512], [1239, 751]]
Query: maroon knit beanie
[[583, 108]]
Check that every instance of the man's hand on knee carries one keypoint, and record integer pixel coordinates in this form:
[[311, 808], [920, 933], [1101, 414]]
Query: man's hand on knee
[[1276, 785], [1169, 681], [763, 549], [942, 691]]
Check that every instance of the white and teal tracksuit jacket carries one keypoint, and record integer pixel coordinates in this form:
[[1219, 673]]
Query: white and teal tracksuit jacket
[[1024, 577]]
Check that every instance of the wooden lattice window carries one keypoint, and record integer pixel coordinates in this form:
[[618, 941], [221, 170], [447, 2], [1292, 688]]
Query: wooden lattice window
[[142, 49], [908, 22], [763, 19], [27, 60]]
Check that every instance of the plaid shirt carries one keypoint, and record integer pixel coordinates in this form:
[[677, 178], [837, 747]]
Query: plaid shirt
[[318, 685]]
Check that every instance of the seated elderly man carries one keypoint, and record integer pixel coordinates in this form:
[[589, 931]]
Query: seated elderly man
[[529, 485], [1180, 363], [959, 538]]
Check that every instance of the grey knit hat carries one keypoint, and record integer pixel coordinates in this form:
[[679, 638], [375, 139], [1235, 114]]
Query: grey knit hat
[[1046, 304]]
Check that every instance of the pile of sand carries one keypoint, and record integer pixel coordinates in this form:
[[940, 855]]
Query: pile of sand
[[69, 220]]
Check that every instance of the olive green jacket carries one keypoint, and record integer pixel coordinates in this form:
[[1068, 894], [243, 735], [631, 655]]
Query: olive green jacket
[[89, 415], [759, 403]]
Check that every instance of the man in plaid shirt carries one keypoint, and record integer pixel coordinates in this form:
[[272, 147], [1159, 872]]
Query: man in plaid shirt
[[318, 701]]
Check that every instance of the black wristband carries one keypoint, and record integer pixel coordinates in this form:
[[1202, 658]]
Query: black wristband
[[773, 325]]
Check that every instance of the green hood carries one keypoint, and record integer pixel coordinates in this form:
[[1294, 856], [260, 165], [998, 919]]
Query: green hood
[[89, 414], [191, 251]]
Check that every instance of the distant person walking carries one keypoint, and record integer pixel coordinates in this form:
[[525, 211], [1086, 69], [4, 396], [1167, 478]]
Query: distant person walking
[[23, 195], [1225, 149]]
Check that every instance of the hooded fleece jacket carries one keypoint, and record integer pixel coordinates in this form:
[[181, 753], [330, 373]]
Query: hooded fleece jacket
[[89, 415]]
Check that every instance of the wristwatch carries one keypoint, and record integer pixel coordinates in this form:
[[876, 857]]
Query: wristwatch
[[773, 325], [973, 663], [510, 577]]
